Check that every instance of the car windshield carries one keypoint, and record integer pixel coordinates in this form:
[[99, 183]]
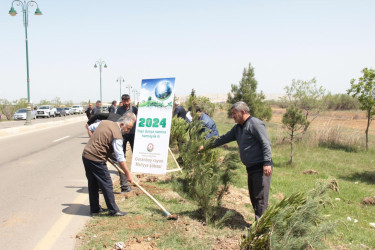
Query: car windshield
[[59, 109], [44, 107], [75, 106], [66, 108], [21, 111]]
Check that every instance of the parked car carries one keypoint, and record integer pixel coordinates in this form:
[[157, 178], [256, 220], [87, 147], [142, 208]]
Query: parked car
[[60, 112], [21, 114], [69, 111], [46, 111], [78, 109]]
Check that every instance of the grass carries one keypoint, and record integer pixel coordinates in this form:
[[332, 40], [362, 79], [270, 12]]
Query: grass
[[146, 225]]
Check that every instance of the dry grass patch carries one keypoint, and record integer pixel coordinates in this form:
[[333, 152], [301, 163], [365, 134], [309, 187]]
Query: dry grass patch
[[369, 201], [310, 171]]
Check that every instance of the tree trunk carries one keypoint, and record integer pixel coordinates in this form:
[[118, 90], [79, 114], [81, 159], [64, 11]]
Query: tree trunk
[[368, 125], [291, 147]]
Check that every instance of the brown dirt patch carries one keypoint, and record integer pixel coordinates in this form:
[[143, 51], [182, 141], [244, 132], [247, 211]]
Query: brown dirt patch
[[152, 178], [142, 242], [310, 171], [369, 200]]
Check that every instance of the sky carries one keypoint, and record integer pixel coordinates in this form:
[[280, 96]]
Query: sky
[[205, 45]]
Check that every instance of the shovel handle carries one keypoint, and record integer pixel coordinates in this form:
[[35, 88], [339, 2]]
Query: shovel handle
[[142, 189]]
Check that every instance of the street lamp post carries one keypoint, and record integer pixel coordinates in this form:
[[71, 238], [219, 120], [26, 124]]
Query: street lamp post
[[100, 63], [25, 9], [129, 87], [120, 79], [134, 92]]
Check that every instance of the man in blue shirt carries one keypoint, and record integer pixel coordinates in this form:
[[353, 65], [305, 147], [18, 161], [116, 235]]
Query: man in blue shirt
[[208, 124]]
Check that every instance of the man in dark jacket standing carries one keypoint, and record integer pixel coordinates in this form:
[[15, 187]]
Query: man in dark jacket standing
[[255, 152], [89, 111], [112, 108], [127, 107], [97, 108]]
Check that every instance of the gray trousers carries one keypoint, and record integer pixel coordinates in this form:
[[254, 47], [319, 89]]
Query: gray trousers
[[259, 188], [123, 180]]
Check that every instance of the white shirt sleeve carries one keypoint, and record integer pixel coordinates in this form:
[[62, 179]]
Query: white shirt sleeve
[[93, 126], [117, 147]]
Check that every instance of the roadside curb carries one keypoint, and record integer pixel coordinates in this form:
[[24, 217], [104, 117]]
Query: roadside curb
[[7, 132]]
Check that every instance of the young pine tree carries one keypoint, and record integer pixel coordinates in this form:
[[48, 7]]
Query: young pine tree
[[204, 177], [296, 123]]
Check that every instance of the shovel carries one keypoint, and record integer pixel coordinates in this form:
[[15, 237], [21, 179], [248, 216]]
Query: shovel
[[169, 216]]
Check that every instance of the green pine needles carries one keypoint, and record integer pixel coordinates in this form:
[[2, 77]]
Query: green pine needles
[[206, 176], [296, 222]]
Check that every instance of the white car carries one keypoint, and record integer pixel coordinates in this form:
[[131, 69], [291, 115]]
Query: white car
[[21, 114], [46, 111], [69, 111], [78, 109]]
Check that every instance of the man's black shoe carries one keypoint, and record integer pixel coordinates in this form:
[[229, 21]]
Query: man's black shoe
[[124, 191], [118, 213], [100, 210]]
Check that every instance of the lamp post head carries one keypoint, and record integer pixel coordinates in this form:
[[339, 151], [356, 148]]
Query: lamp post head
[[38, 12], [95, 66], [12, 11], [105, 65]]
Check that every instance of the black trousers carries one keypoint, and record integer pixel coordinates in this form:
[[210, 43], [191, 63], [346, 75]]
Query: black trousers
[[128, 138], [259, 188], [98, 177]]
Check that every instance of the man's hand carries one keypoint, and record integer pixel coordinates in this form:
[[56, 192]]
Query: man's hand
[[130, 178], [124, 168], [267, 170]]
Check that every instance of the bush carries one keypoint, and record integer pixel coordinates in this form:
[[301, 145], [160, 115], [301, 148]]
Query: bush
[[341, 102]]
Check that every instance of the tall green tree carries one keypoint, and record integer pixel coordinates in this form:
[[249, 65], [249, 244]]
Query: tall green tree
[[246, 91], [364, 90], [296, 123]]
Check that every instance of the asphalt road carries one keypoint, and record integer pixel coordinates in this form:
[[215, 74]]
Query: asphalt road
[[15, 123], [43, 188]]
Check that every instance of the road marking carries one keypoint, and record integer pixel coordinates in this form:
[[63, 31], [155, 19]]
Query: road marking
[[54, 233], [61, 138]]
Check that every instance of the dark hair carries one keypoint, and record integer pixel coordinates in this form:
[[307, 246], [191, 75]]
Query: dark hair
[[125, 97], [98, 101], [198, 109], [113, 102]]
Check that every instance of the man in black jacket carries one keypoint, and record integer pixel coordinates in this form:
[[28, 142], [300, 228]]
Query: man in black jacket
[[112, 108], [127, 107], [255, 152], [179, 111]]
